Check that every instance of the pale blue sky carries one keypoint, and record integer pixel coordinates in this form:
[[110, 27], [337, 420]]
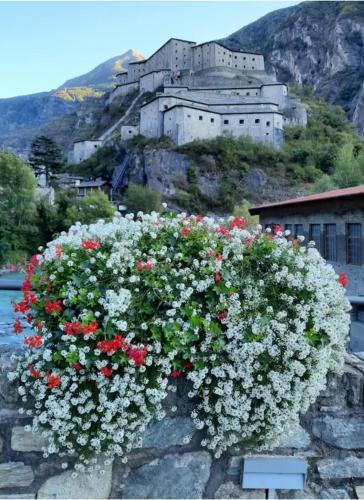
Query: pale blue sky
[[42, 44]]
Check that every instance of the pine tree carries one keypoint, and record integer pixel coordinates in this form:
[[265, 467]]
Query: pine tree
[[45, 157]]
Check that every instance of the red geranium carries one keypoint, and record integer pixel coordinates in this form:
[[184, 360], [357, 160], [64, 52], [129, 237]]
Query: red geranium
[[238, 222], [34, 341], [186, 230], [91, 244], [175, 374], [105, 371], [17, 326], [221, 315], [217, 277], [224, 231], [33, 372], [90, 328], [53, 381], [343, 279], [53, 306], [72, 328], [137, 354], [187, 364], [112, 346]]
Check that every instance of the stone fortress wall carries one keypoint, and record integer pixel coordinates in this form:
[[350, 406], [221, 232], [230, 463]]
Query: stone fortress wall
[[230, 89], [330, 438]]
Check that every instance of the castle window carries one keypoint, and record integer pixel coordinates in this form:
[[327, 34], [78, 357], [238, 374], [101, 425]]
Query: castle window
[[257, 120], [244, 59], [248, 93], [188, 116], [226, 122], [268, 124], [241, 122], [235, 57], [212, 120], [223, 60], [236, 65], [253, 58], [244, 67], [200, 117], [353, 243], [253, 67], [165, 106]]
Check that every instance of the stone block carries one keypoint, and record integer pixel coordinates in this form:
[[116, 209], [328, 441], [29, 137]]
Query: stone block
[[231, 490], [359, 490], [22, 440], [296, 437], [93, 485], [336, 468], [19, 495], [168, 432], [173, 476], [235, 465], [1, 444], [333, 493], [342, 431], [13, 474]]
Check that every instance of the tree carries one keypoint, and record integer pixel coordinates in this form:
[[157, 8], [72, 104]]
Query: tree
[[92, 207], [17, 208], [142, 198], [45, 157], [349, 167]]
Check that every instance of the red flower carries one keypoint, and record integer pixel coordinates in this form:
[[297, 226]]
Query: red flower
[[26, 285], [35, 259], [149, 265], [175, 374], [53, 381], [29, 318], [72, 328], [217, 277], [211, 253], [199, 218], [76, 366], [219, 257], [17, 327], [90, 328], [91, 244], [34, 341], [137, 354], [249, 241], [112, 346], [343, 279], [30, 269], [53, 306], [33, 372], [59, 252], [224, 231], [105, 371], [139, 265], [20, 307], [277, 229], [187, 364], [186, 230], [39, 325], [221, 315], [238, 222]]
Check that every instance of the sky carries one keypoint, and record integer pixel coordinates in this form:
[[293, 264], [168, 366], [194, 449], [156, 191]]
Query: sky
[[43, 44]]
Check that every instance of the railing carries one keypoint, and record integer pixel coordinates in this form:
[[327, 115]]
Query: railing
[[118, 175]]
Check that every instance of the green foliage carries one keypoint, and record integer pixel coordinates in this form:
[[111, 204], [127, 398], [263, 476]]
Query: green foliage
[[142, 198], [46, 157], [100, 164], [17, 208], [349, 167], [77, 93], [92, 207]]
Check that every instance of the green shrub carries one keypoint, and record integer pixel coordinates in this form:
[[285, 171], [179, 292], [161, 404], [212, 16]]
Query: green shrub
[[142, 198]]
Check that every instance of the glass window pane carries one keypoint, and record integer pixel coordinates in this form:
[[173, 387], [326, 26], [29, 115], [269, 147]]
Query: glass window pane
[[354, 243], [315, 235], [298, 230], [330, 241]]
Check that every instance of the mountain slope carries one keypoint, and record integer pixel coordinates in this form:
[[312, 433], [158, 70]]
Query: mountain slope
[[103, 76], [320, 44], [23, 117]]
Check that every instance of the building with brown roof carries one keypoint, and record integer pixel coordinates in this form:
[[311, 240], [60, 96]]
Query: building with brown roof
[[333, 220]]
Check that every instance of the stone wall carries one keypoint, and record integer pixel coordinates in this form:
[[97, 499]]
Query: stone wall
[[330, 438]]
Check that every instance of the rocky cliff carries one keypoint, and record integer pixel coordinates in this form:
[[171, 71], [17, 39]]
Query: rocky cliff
[[320, 44]]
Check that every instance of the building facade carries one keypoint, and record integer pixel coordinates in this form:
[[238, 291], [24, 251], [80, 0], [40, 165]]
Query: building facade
[[333, 220]]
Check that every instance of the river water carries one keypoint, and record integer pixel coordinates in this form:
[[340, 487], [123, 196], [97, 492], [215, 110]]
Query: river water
[[7, 316]]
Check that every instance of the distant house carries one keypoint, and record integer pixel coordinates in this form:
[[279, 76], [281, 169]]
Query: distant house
[[333, 220], [85, 187]]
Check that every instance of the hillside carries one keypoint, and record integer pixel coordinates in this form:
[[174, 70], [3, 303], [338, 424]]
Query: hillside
[[75, 102], [320, 44], [103, 76]]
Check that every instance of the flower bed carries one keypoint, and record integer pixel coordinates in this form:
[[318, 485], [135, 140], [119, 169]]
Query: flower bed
[[254, 321]]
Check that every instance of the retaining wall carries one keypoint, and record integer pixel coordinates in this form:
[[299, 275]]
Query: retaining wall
[[330, 438]]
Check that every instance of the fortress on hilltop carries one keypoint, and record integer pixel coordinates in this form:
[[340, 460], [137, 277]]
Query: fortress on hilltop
[[201, 92]]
